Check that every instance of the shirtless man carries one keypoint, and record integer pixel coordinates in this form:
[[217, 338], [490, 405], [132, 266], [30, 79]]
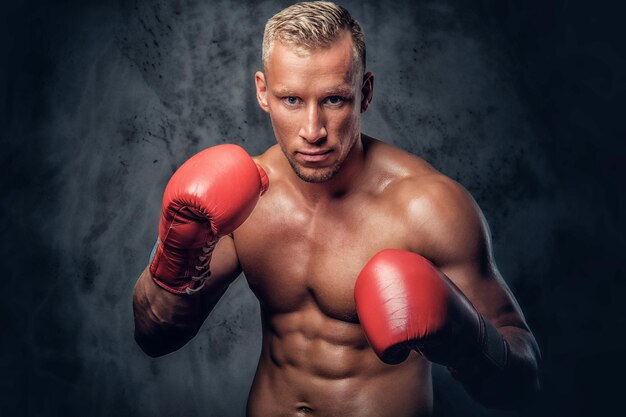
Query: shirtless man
[[367, 263]]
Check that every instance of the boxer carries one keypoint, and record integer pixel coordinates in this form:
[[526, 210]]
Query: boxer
[[368, 264]]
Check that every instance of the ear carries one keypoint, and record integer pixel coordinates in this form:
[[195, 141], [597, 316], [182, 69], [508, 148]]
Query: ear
[[261, 90], [367, 91]]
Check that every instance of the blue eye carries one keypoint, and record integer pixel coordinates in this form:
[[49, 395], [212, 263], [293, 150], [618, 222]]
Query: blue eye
[[291, 101], [335, 100]]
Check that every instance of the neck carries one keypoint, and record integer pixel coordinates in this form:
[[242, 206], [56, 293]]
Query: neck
[[345, 180]]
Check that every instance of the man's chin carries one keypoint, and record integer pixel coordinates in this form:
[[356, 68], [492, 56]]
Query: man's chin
[[315, 175]]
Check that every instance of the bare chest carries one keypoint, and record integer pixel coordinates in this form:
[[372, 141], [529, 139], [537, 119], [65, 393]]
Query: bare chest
[[293, 256]]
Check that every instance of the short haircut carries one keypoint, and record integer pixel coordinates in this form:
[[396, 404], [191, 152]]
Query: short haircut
[[311, 25]]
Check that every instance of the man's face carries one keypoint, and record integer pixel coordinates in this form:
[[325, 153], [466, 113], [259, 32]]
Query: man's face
[[314, 99]]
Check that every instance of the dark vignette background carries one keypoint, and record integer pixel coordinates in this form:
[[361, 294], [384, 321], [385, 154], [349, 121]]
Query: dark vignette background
[[522, 102]]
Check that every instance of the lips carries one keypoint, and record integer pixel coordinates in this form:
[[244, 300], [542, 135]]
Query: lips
[[317, 155]]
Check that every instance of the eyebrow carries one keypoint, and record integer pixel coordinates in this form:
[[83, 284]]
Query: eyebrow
[[285, 91], [341, 90]]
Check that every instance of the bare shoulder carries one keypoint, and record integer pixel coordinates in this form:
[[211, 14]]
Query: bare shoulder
[[443, 222], [447, 225], [390, 164], [409, 178]]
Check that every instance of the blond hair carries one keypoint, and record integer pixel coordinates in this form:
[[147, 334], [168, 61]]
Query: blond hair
[[311, 25]]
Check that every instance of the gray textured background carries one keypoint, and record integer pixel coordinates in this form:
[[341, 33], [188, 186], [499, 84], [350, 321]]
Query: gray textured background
[[523, 103]]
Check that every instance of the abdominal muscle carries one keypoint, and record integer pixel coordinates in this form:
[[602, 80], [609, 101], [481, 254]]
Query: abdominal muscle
[[312, 364]]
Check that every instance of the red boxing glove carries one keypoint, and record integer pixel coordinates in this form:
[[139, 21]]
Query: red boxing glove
[[404, 303], [209, 196]]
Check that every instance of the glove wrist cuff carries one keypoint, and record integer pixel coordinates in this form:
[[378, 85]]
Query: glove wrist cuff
[[493, 346], [491, 355], [189, 279]]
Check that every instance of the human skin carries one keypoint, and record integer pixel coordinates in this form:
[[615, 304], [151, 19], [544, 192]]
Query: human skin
[[336, 198]]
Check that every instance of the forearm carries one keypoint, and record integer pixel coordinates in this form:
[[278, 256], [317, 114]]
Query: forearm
[[506, 385], [194, 261], [165, 322]]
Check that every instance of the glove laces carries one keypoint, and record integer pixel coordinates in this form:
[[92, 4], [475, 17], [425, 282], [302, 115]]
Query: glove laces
[[203, 267]]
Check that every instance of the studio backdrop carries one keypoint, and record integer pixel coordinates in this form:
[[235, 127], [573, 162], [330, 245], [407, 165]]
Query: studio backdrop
[[102, 101]]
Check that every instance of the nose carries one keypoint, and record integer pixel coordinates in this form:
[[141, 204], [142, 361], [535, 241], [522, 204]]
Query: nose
[[314, 128]]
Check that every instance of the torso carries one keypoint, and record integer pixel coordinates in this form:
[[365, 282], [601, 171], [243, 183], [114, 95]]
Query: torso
[[301, 259]]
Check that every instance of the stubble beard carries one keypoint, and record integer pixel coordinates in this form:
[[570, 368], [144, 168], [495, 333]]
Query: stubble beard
[[315, 175]]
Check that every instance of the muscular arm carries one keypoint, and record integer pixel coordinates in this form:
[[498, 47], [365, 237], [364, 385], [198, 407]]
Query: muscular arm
[[164, 322], [457, 242], [194, 261]]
